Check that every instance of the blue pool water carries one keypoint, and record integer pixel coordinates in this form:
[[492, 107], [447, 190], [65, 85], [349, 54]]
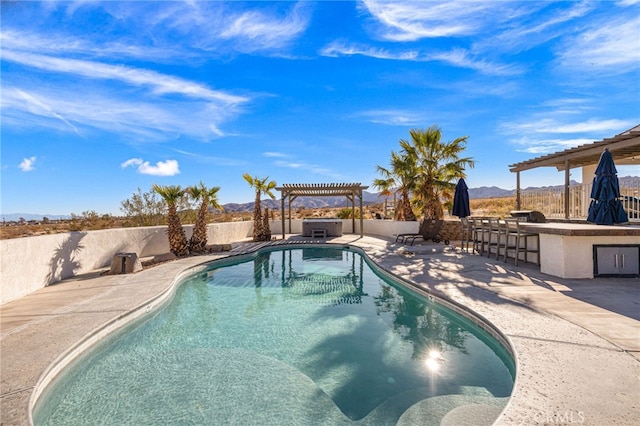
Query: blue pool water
[[295, 336]]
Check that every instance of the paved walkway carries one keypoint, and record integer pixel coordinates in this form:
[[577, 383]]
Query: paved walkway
[[577, 341]]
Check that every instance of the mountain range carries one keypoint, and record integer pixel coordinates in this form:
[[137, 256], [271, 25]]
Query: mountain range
[[322, 202], [374, 198]]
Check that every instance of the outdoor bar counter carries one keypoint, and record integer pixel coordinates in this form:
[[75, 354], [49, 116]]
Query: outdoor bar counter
[[567, 249]]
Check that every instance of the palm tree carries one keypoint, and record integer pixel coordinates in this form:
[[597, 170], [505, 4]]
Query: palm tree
[[438, 165], [399, 178], [262, 187], [177, 239], [266, 231], [208, 196]]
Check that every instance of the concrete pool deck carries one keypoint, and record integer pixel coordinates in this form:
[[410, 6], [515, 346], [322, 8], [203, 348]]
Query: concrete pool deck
[[577, 341]]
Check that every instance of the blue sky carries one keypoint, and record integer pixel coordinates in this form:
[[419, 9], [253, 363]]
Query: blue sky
[[102, 98]]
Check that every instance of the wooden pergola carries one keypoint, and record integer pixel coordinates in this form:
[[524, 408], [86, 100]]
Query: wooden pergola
[[348, 190], [625, 149]]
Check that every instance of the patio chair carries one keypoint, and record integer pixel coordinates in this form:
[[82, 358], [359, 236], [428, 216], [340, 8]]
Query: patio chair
[[424, 227], [433, 234]]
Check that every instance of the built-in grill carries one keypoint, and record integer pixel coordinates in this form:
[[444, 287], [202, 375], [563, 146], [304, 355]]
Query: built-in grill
[[529, 215]]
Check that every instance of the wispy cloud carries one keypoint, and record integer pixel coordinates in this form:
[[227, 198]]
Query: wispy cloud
[[118, 99], [27, 164], [220, 28], [158, 83], [136, 119], [35, 106], [463, 59], [258, 30], [528, 25], [598, 42], [553, 126], [457, 57], [609, 45], [308, 167], [548, 135], [139, 103], [289, 162], [568, 106], [393, 117], [274, 154], [338, 48], [545, 146], [64, 44], [162, 168], [414, 20], [212, 159]]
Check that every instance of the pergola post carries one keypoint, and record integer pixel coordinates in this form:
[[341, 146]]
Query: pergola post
[[361, 216], [282, 213], [518, 202], [290, 201], [352, 198]]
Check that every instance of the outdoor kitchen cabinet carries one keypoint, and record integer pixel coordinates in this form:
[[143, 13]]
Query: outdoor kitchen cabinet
[[616, 260]]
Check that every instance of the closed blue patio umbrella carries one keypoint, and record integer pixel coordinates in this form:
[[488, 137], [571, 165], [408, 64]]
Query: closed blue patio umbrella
[[605, 207], [461, 200]]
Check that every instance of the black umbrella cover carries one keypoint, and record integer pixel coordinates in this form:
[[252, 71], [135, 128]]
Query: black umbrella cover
[[461, 200], [605, 207]]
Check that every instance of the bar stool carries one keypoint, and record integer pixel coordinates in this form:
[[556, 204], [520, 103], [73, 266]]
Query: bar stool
[[500, 230], [467, 231], [477, 234], [494, 231], [520, 236], [511, 237]]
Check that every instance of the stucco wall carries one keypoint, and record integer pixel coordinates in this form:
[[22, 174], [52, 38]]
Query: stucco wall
[[385, 228], [28, 264], [572, 256]]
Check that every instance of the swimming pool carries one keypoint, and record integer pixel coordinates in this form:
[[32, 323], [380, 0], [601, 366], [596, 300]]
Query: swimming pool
[[308, 335]]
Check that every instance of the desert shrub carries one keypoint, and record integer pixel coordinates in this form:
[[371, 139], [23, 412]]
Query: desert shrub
[[144, 209], [346, 213], [492, 206]]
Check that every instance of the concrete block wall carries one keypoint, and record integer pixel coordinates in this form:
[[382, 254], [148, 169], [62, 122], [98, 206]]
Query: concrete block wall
[[451, 230]]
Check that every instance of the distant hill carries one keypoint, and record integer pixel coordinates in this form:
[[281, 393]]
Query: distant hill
[[371, 198], [490, 192], [306, 202], [15, 217]]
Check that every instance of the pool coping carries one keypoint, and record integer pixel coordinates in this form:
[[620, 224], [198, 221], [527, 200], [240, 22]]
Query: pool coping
[[523, 408]]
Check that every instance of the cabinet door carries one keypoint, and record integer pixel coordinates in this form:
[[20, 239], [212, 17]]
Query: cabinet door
[[607, 260], [628, 260], [617, 260]]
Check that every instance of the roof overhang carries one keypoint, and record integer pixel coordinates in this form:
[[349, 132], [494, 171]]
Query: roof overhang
[[623, 146]]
